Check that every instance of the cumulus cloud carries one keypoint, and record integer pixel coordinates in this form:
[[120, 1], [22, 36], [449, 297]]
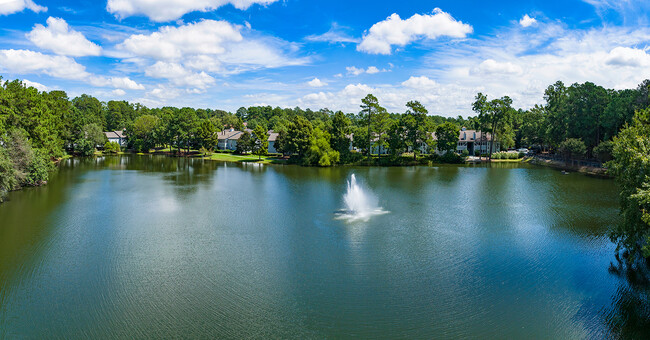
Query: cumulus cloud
[[626, 56], [515, 62], [60, 39], [395, 31], [527, 21], [212, 46], [491, 66], [172, 43], [118, 92], [438, 98], [167, 10], [30, 62], [35, 85], [117, 82], [355, 71], [14, 6], [316, 83], [179, 75]]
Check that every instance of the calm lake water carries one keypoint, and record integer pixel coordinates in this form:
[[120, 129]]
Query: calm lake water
[[140, 247]]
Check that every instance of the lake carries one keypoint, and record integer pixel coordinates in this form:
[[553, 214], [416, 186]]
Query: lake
[[146, 246]]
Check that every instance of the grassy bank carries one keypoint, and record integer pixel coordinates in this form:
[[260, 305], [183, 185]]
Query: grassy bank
[[228, 157]]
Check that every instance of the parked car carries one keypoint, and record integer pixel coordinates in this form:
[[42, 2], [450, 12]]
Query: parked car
[[524, 150]]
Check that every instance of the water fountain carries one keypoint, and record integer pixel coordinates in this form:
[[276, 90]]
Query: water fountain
[[360, 204]]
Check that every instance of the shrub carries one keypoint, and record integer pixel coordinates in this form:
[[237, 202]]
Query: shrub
[[451, 158], [39, 169], [84, 147], [573, 148], [112, 147], [603, 151], [8, 181], [464, 154]]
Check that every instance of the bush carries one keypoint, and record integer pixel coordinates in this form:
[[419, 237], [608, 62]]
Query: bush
[[39, 169], [84, 147], [451, 158], [464, 154], [573, 148], [508, 155], [112, 147], [603, 151], [8, 181]]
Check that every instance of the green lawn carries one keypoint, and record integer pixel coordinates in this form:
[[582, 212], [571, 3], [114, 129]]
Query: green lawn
[[226, 157]]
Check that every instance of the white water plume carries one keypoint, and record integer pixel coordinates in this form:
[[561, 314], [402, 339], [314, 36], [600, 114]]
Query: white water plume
[[359, 204]]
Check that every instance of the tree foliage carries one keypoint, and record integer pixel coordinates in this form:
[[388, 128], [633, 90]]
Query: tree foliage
[[631, 166]]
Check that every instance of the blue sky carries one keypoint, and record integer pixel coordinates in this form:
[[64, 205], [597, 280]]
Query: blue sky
[[322, 54]]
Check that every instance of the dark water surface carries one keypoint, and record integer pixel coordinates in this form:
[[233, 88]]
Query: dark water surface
[[141, 247]]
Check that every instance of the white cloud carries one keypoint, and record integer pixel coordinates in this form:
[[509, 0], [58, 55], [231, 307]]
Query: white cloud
[[630, 57], [395, 31], [14, 6], [491, 66], [336, 34], [372, 70], [527, 21], [30, 62], [167, 10], [514, 62], [118, 92], [60, 39], [212, 46], [316, 83], [439, 99], [35, 85], [355, 71], [179, 75], [117, 82], [420, 83], [173, 43]]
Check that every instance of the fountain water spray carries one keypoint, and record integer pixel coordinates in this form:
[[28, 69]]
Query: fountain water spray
[[360, 205]]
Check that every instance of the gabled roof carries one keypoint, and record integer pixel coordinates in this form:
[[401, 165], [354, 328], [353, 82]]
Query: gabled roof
[[114, 134]]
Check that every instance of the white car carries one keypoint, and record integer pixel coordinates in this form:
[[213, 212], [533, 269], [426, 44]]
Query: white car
[[524, 150]]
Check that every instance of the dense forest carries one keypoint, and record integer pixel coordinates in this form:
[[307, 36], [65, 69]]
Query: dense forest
[[578, 121]]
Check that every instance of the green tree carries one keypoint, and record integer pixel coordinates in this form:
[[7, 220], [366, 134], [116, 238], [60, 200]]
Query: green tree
[[298, 137], [573, 148], [260, 141], [340, 132], [320, 151], [206, 135], [447, 134], [603, 151], [417, 130], [142, 133], [631, 167], [369, 108], [245, 143], [94, 134], [8, 181]]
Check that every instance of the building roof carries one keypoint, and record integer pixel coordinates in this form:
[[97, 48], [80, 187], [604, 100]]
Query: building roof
[[114, 134], [228, 134], [273, 136]]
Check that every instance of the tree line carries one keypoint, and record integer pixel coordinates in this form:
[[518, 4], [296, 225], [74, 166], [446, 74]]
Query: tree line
[[579, 120]]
